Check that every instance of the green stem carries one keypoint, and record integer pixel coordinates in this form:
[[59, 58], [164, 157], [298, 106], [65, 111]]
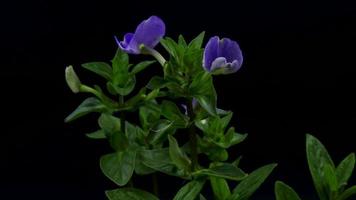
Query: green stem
[[106, 100], [154, 53], [122, 123], [155, 184], [192, 136], [122, 114], [85, 88]]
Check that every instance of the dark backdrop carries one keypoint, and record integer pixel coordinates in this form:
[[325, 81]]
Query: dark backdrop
[[298, 77]]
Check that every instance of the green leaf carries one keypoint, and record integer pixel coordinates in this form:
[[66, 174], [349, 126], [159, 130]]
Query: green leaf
[[251, 183], [124, 88], [190, 191], [157, 82], [118, 166], [201, 84], [140, 167], [159, 132], [89, 105], [348, 193], [120, 62], [231, 138], [109, 123], [99, 134], [129, 194], [344, 169], [201, 197], [159, 160], [285, 192], [330, 177], [141, 66], [101, 68], [149, 114], [135, 135], [220, 188], [208, 103], [181, 41], [197, 42], [172, 48], [318, 158], [172, 112], [179, 158], [224, 170], [236, 163]]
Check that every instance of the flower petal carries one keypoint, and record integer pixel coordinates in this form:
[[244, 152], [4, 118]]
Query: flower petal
[[232, 67], [126, 45], [148, 32], [218, 63], [210, 52], [230, 50]]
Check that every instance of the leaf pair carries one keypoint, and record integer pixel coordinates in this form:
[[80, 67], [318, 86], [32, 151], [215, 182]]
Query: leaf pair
[[329, 181], [120, 79]]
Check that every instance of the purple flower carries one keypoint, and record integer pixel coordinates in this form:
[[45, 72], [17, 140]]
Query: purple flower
[[149, 33], [222, 56]]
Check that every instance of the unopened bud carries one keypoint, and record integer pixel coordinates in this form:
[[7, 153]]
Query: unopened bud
[[72, 79]]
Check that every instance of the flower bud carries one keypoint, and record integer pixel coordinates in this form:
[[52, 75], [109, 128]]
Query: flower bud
[[72, 79]]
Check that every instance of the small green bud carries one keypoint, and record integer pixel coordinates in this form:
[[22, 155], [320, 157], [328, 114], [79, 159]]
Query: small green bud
[[72, 79]]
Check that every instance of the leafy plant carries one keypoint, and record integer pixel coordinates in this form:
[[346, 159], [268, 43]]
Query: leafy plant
[[330, 181], [181, 102]]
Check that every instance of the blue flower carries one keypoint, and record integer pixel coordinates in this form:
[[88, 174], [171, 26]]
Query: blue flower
[[222, 56], [148, 33]]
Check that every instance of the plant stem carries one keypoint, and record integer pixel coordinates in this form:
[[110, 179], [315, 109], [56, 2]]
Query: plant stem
[[155, 184], [192, 136], [122, 123], [122, 114], [154, 53]]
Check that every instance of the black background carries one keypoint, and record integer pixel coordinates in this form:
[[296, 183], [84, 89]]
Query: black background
[[298, 77]]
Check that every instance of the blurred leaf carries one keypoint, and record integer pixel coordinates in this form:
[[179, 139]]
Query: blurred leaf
[[99, 134], [284, 192], [344, 169], [251, 183], [141, 66], [178, 157], [172, 112], [119, 166], [201, 197], [220, 188], [101, 68], [348, 193], [236, 163], [157, 82], [318, 158], [190, 191], [224, 170], [89, 105], [129, 194]]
